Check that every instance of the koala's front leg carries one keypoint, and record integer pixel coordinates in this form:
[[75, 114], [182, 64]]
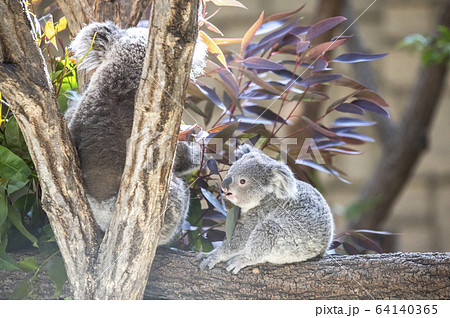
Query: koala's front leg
[[259, 246]]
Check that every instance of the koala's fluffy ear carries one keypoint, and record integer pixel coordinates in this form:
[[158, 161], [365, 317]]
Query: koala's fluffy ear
[[107, 33], [244, 149], [283, 181]]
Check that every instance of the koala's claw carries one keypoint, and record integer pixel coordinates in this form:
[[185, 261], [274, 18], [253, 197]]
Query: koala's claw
[[201, 256], [208, 262], [236, 264]]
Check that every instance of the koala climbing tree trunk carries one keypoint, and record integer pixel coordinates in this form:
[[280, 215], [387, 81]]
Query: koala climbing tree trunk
[[117, 265]]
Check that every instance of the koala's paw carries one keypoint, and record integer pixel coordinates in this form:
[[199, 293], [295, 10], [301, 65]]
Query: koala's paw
[[200, 256], [237, 263], [209, 262]]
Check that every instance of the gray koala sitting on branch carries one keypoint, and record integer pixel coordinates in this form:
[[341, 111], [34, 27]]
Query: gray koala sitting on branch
[[282, 220], [100, 121]]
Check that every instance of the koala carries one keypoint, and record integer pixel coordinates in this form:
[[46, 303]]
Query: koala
[[100, 120], [282, 219]]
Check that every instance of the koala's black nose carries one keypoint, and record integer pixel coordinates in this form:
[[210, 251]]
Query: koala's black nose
[[226, 183]]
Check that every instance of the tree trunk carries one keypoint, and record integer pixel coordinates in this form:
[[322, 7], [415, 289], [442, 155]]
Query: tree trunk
[[133, 233], [377, 276], [117, 265], [25, 83]]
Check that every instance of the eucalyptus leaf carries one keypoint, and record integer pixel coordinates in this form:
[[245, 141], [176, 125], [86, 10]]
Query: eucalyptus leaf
[[7, 262], [57, 272], [230, 224], [13, 168], [29, 264], [16, 219], [21, 290]]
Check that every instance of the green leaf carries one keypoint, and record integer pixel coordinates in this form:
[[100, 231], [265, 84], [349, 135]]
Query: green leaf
[[13, 168], [230, 224], [57, 272], [7, 262], [206, 245], [21, 290], [29, 264], [14, 139], [16, 219], [3, 206], [195, 211], [25, 203]]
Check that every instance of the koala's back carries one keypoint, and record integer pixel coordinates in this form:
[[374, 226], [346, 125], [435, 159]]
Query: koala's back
[[103, 118]]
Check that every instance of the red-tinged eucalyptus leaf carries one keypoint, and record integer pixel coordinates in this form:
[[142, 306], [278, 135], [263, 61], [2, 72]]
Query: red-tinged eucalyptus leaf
[[257, 95], [248, 36], [211, 94], [328, 143], [366, 243], [376, 232], [228, 3], [288, 40], [320, 65], [265, 113], [288, 75], [372, 96], [230, 80], [262, 64], [352, 122], [225, 131], [300, 30], [313, 165], [348, 82], [270, 26], [213, 48], [350, 249], [271, 39], [371, 107], [323, 26], [212, 27], [320, 129], [244, 121], [358, 57], [343, 150], [350, 108], [302, 45], [284, 15], [213, 200], [212, 166], [334, 244], [355, 135], [260, 82], [318, 79], [320, 49], [226, 41]]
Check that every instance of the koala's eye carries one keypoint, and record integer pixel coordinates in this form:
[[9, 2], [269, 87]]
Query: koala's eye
[[242, 181]]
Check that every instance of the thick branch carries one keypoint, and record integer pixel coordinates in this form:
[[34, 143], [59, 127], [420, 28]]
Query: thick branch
[[130, 242], [380, 276], [404, 149], [26, 85]]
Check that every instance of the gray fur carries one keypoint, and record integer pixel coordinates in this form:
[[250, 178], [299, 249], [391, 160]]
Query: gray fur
[[100, 121], [283, 220]]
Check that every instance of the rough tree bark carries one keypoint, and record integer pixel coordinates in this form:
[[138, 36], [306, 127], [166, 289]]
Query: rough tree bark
[[378, 276], [111, 266], [405, 142], [124, 13]]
